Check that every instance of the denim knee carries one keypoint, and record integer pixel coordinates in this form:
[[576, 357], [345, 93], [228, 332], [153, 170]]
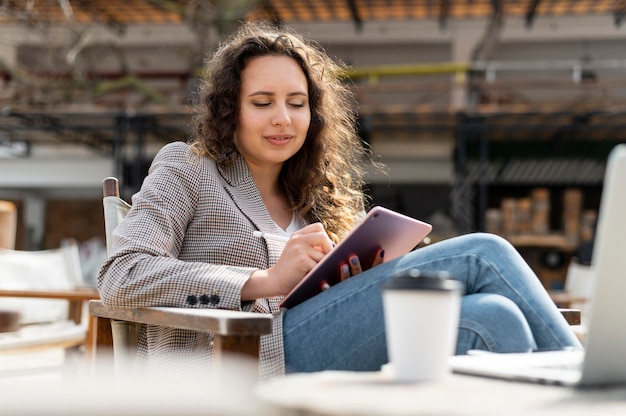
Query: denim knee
[[493, 322], [490, 244]]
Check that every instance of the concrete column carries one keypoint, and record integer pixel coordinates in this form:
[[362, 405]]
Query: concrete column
[[464, 40]]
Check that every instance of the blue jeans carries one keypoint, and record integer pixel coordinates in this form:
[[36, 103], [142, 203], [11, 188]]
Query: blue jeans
[[505, 308]]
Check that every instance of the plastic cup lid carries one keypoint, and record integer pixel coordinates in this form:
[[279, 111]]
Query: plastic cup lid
[[414, 279]]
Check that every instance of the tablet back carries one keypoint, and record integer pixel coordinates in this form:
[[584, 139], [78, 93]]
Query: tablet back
[[396, 233]]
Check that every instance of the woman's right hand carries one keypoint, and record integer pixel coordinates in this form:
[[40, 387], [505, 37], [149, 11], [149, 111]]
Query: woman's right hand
[[302, 252]]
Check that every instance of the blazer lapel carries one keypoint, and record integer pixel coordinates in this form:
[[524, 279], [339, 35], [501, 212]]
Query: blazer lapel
[[244, 192]]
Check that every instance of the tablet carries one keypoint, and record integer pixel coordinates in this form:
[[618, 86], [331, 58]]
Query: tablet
[[383, 228]]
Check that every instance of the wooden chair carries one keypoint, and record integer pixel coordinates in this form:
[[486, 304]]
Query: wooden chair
[[117, 330]]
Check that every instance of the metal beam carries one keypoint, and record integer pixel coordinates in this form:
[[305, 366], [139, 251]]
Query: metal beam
[[356, 15], [80, 134], [275, 17], [99, 13], [531, 13], [619, 13], [486, 46], [444, 13]]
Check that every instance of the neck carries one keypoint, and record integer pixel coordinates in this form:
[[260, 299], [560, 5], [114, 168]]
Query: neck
[[266, 179], [273, 195]]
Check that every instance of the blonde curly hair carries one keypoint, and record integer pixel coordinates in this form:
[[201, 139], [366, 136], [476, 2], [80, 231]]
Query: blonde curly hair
[[324, 179]]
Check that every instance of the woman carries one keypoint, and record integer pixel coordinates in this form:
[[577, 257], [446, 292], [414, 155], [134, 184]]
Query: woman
[[275, 149]]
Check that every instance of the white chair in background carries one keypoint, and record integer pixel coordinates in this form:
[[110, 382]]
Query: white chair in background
[[576, 293], [45, 289], [579, 284]]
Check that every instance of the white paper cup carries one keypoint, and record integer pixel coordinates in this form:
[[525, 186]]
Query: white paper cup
[[421, 322]]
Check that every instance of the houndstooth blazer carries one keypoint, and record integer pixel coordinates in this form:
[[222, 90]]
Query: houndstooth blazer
[[187, 242]]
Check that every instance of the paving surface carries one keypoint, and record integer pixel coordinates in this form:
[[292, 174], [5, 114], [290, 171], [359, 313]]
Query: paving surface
[[49, 382]]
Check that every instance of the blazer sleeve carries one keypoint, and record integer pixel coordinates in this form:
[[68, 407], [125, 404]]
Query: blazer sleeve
[[146, 266]]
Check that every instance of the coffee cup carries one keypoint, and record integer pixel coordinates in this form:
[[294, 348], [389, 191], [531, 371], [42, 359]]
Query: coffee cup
[[421, 314]]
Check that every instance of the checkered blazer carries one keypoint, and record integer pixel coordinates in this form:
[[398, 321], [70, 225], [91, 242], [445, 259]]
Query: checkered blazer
[[187, 242]]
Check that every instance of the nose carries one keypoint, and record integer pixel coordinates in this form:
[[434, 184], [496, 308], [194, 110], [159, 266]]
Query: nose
[[281, 117]]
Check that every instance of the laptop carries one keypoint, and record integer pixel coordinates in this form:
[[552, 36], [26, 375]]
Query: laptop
[[603, 360]]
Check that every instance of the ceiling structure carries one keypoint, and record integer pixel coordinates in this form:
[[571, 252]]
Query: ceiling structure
[[118, 15], [121, 12], [360, 11]]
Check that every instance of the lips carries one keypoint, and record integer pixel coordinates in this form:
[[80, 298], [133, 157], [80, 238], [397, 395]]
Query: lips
[[279, 139]]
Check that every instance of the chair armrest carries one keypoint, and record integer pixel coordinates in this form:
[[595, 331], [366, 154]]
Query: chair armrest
[[82, 294], [217, 321], [565, 299], [75, 297]]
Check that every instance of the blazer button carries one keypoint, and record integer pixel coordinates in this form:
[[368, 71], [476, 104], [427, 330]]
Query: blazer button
[[192, 300], [215, 299], [204, 299]]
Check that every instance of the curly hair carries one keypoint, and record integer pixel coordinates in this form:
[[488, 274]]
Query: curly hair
[[324, 179]]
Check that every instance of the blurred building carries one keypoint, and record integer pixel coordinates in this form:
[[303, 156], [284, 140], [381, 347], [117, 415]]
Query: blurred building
[[469, 102]]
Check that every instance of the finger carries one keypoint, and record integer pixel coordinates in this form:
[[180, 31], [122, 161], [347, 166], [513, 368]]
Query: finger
[[314, 237], [379, 258], [305, 254], [355, 265], [344, 271], [311, 228]]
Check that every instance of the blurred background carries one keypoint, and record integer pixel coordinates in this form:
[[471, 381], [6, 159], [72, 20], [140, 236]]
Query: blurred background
[[492, 115]]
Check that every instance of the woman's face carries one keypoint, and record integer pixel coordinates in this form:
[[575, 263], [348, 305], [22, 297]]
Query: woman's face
[[274, 113]]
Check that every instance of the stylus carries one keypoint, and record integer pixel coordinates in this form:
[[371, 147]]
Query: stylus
[[261, 234]]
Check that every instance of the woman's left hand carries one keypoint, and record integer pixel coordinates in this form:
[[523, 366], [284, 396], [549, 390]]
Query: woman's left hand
[[353, 265]]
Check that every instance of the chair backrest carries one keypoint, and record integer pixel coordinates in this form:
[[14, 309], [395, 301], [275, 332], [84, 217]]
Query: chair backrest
[[125, 334], [579, 281], [43, 270], [115, 208]]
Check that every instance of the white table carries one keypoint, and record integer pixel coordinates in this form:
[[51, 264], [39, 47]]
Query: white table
[[364, 394]]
